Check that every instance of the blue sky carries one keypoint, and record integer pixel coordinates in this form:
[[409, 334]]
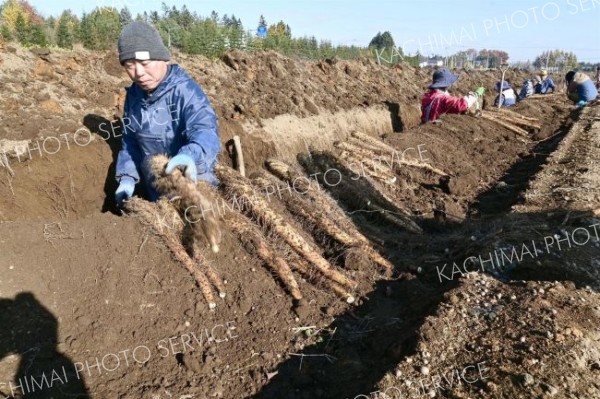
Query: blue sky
[[523, 28]]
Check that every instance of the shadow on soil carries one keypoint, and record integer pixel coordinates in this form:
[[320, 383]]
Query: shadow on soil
[[30, 331], [111, 132]]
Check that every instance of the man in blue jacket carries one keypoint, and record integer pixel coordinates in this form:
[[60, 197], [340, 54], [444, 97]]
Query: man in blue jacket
[[546, 84], [507, 97], [166, 112], [580, 88]]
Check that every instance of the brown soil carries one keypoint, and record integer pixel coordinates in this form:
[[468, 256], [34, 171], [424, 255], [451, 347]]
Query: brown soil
[[80, 283]]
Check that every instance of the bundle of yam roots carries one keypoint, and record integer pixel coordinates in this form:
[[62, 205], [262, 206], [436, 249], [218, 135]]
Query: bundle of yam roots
[[287, 245]]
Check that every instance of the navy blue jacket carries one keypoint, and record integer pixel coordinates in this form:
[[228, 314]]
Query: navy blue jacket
[[176, 118], [581, 88], [545, 85]]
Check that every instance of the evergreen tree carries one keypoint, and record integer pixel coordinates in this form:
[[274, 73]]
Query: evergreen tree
[[154, 17], [64, 36], [85, 32], [262, 21], [106, 28], [225, 20], [21, 29], [559, 59], [125, 17], [186, 19], [6, 33], [37, 36], [175, 14], [382, 41]]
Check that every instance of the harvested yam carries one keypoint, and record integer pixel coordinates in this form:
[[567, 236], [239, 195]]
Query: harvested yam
[[371, 144], [373, 148], [378, 172], [255, 242], [422, 165], [211, 273], [150, 216], [191, 201], [541, 96], [510, 119], [241, 187], [507, 125], [320, 198], [356, 150], [515, 115], [318, 218], [304, 268], [373, 141]]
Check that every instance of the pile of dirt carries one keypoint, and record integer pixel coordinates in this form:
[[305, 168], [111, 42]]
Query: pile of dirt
[[98, 299]]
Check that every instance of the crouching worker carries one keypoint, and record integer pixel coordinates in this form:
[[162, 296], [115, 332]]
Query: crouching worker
[[580, 88], [507, 97], [437, 101], [527, 89], [546, 84], [166, 112]]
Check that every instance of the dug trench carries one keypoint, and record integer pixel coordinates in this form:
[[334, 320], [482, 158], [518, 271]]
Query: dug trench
[[87, 289]]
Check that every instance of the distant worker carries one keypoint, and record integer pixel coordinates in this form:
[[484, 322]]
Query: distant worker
[[546, 83], [507, 97], [580, 88], [527, 89], [437, 101], [598, 78], [166, 112]]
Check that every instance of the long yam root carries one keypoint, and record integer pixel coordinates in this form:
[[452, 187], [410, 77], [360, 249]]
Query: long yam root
[[151, 217], [192, 202], [254, 239], [507, 125], [318, 218], [373, 141], [319, 197], [304, 269], [241, 187]]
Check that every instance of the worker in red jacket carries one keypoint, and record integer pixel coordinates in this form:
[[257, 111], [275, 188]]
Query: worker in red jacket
[[437, 101]]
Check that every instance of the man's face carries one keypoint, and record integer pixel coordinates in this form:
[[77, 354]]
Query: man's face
[[147, 74]]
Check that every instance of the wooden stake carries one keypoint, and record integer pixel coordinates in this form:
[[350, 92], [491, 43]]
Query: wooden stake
[[237, 144]]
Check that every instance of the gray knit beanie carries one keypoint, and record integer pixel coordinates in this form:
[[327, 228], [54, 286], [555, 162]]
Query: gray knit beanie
[[141, 41]]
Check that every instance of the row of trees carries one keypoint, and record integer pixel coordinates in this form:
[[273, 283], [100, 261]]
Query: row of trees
[[179, 28], [213, 35]]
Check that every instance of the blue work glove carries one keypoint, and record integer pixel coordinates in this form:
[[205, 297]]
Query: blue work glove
[[582, 103], [125, 190], [184, 161]]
